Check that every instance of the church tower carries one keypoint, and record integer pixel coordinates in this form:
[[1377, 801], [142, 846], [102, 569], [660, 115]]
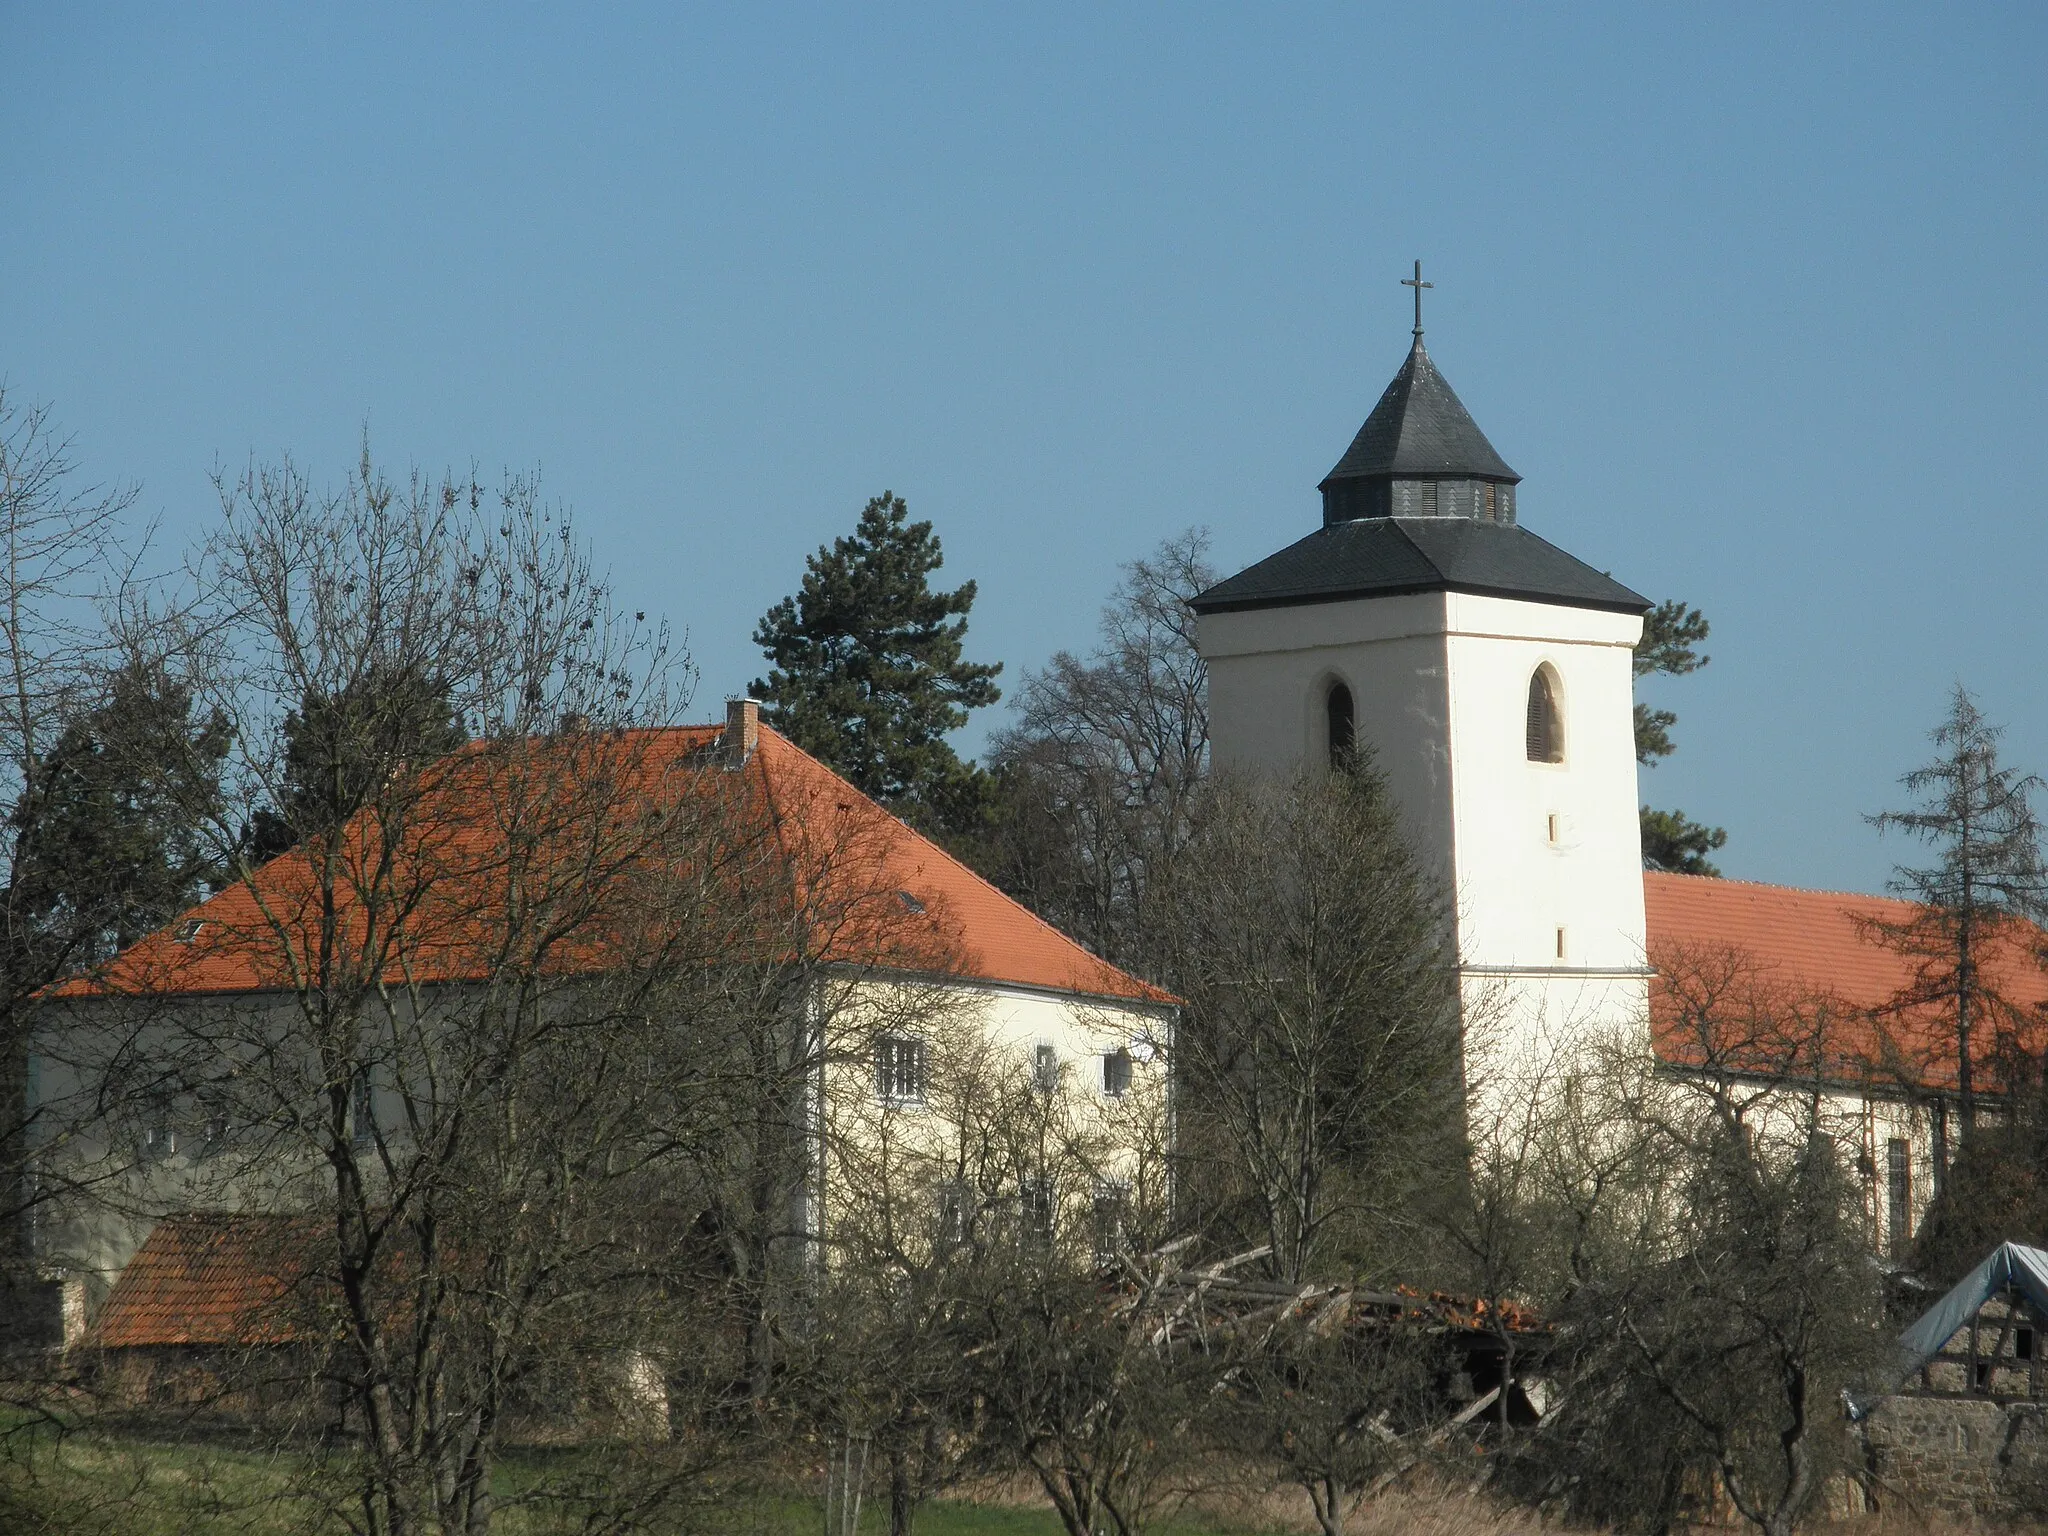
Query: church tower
[[1489, 673]]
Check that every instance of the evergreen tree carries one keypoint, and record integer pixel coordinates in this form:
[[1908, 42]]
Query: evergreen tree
[[866, 669], [1317, 1051], [339, 746], [1973, 902], [1673, 841], [107, 835]]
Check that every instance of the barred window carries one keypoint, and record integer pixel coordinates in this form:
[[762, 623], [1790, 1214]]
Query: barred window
[[900, 1069], [1546, 728]]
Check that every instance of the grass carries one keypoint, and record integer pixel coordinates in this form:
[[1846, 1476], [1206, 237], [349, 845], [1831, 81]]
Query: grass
[[136, 1484], [131, 1483]]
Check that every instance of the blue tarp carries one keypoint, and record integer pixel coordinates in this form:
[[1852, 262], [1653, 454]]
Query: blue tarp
[[2022, 1268]]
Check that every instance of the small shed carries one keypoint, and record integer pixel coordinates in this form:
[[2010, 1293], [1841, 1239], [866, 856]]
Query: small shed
[[1964, 1430], [211, 1307]]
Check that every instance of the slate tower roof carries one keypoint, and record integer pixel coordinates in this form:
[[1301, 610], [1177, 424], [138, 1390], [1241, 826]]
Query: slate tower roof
[[1420, 427], [1420, 502]]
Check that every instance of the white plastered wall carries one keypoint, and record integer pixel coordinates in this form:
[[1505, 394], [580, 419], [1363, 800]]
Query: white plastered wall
[[989, 1033], [1439, 683]]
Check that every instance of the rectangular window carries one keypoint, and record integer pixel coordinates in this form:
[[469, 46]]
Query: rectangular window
[[2023, 1343], [1898, 1171], [1116, 1073], [1938, 1132], [1560, 943], [1110, 1203], [1034, 1211], [362, 1108], [952, 1215], [213, 1136], [900, 1070], [1045, 1068], [1550, 824]]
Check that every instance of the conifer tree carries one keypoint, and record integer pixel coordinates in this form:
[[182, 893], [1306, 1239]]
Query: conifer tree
[[337, 748], [867, 671], [108, 834], [1986, 881], [1672, 840]]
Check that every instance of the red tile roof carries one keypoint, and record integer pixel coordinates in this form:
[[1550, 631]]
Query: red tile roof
[[209, 1280], [1813, 945], [904, 903]]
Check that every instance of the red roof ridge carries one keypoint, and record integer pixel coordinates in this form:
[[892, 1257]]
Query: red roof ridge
[[1772, 885]]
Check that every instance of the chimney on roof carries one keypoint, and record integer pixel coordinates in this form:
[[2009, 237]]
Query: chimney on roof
[[742, 731]]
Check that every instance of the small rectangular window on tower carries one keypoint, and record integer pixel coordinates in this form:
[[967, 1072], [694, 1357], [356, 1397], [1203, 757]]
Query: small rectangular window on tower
[[1551, 825], [1560, 943]]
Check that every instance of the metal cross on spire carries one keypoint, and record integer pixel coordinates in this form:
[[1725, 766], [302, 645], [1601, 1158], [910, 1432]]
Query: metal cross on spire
[[1418, 285]]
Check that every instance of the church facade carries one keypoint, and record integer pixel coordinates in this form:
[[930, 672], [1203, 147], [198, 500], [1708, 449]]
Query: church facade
[[1489, 675]]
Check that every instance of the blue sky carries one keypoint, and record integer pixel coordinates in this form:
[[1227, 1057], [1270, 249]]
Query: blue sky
[[1751, 295]]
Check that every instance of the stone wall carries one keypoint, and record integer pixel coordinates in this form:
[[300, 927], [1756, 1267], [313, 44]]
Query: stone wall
[[1972, 1457]]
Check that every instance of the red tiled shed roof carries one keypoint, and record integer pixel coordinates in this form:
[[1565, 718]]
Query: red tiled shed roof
[[208, 1280], [956, 923], [1817, 944]]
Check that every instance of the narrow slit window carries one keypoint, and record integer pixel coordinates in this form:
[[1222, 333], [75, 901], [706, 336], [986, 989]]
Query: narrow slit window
[[1560, 943], [1898, 1158], [1546, 730], [1550, 826], [1343, 727], [362, 1108]]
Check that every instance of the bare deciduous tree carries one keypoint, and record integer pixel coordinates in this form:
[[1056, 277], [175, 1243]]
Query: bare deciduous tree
[[56, 542], [1728, 1296], [1100, 771]]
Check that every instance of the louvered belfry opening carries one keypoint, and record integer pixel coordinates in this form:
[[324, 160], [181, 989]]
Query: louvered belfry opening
[[1546, 730], [1343, 728]]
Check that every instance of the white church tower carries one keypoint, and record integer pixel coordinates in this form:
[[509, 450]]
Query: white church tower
[[1489, 673]]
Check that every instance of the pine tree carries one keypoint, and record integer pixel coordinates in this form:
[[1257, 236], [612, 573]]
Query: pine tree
[[1986, 883], [107, 841], [340, 745], [1672, 840], [866, 669]]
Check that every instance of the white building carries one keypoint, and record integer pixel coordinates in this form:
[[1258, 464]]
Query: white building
[[1489, 672]]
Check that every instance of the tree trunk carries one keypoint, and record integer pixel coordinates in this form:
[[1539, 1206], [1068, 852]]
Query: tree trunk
[[902, 1502], [1326, 1494]]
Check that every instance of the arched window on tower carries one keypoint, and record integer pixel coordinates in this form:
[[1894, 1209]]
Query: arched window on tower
[[1343, 729], [1546, 726]]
